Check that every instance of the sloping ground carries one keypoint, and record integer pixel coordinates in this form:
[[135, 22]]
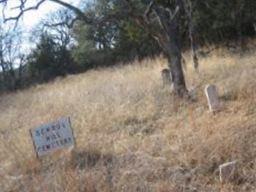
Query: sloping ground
[[133, 135]]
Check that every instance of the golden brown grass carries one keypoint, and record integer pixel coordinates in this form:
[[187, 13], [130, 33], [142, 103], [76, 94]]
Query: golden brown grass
[[133, 135]]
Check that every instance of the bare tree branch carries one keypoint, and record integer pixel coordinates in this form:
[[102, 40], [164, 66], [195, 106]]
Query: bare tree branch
[[148, 11], [188, 6], [173, 15], [22, 9], [80, 14], [68, 24]]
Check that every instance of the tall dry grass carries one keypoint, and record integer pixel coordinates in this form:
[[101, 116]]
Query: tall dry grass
[[133, 135]]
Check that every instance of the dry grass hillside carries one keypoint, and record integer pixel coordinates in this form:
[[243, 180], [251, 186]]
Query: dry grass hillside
[[133, 135]]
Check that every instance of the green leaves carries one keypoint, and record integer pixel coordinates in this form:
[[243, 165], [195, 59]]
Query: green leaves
[[49, 59]]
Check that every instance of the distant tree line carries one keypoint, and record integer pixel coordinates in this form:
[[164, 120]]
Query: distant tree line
[[65, 46]]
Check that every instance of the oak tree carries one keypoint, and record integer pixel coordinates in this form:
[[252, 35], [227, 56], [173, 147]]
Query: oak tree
[[160, 18]]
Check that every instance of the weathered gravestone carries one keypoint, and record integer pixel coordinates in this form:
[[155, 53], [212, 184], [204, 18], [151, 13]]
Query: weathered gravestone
[[227, 171], [212, 98], [166, 76], [52, 137]]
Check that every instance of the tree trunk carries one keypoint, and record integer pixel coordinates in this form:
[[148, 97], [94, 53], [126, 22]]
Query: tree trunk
[[191, 29], [174, 63], [169, 40], [193, 46], [172, 50]]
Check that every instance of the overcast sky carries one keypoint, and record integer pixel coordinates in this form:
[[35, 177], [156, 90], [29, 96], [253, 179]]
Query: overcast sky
[[31, 18]]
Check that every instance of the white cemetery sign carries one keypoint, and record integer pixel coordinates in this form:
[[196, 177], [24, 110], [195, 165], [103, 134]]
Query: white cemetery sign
[[53, 136], [212, 97]]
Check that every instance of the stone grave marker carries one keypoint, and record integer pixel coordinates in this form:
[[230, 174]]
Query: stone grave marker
[[212, 98], [53, 136], [166, 76], [227, 171]]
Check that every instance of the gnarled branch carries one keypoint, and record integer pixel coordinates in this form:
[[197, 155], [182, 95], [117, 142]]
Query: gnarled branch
[[22, 9]]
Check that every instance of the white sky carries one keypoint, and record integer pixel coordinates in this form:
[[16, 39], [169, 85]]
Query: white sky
[[31, 18]]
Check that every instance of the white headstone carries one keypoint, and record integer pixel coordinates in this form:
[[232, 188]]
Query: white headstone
[[167, 79], [166, 76], [227, 171], [212, 97], [52, 136]]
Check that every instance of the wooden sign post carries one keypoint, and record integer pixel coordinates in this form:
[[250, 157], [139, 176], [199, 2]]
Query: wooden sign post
[[53, 136]]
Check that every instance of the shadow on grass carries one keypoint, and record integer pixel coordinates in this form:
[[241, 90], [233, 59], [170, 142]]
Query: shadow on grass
[[90, 159]]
